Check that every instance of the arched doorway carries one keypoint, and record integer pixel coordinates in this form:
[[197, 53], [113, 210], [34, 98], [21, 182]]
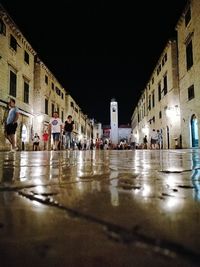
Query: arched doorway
[[194, 131]]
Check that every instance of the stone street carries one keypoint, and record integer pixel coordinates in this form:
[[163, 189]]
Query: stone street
[[100, 208]]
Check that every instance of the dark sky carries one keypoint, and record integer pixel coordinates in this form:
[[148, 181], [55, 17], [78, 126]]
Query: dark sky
[[99, 50]]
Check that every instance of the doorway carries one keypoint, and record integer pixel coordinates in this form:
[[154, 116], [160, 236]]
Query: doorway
[[168, 145], [194, 131]]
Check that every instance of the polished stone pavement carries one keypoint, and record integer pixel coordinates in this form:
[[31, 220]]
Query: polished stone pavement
[[100, 208]]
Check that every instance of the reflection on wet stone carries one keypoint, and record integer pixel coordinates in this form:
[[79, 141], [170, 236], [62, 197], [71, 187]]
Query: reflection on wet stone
[[110, 193]]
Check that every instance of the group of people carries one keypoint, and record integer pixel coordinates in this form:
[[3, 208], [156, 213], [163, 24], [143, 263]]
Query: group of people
[[155, 141], [36, 141], [55, 129]]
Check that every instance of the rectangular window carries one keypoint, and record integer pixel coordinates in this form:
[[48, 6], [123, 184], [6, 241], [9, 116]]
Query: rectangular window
[[26, 92], [149, 103], [191, 92], [13, 42], [189, 55], [62, 115], [2, 27], [165, 84], [160, 114], [159, 91], [57, 91], [52, 109], [26, 57], [13, 83], [187, 17], [46, 79], [153, 99], [164, 59], [52, 86], [46, 106]]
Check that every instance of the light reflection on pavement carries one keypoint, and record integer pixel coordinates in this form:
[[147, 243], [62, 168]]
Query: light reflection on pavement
[[147, 199]]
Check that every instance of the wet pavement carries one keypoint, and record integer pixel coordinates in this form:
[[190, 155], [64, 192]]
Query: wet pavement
[[100, 208]]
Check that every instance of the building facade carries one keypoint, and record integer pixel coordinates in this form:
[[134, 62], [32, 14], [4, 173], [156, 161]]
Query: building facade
[[17, 78], [188, 32], [49, 96], [159, 106], [36, 90], [171, 100]]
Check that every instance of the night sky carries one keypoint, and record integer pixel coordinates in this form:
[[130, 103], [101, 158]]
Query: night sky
[[99, 50]]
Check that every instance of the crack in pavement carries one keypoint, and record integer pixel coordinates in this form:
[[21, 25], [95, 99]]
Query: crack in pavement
[[121, 234]]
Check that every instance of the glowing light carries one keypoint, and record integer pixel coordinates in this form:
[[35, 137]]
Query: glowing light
[[37, 181], [146, 190], [172, 112], [36, 203], [173, 203], [145, 130], [40, 189], [40, 118], [80, 137]]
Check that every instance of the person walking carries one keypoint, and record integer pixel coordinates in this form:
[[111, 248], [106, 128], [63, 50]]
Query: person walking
[[11, 124], [160, 141], [154, 139], [68, 129], [45, 138], [55, 129], [145, 142]]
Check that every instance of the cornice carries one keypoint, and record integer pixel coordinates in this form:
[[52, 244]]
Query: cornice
[[15, 29]]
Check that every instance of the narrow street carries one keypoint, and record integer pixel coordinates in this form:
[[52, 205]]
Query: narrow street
[[100, 208]]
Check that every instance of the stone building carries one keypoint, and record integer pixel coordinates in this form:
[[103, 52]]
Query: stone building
[[36, 90], [49, 96], [188, 36], [175, 111], [159, 107], [17, 77]]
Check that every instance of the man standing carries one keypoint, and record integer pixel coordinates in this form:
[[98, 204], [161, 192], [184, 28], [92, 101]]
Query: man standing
[[55, 128], [68, 128], [11, 124]]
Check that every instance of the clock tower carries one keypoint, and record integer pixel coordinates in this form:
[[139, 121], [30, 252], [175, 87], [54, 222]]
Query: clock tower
[[114, 121]]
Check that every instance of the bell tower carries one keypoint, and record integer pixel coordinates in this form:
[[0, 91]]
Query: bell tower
[[114, 121]]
